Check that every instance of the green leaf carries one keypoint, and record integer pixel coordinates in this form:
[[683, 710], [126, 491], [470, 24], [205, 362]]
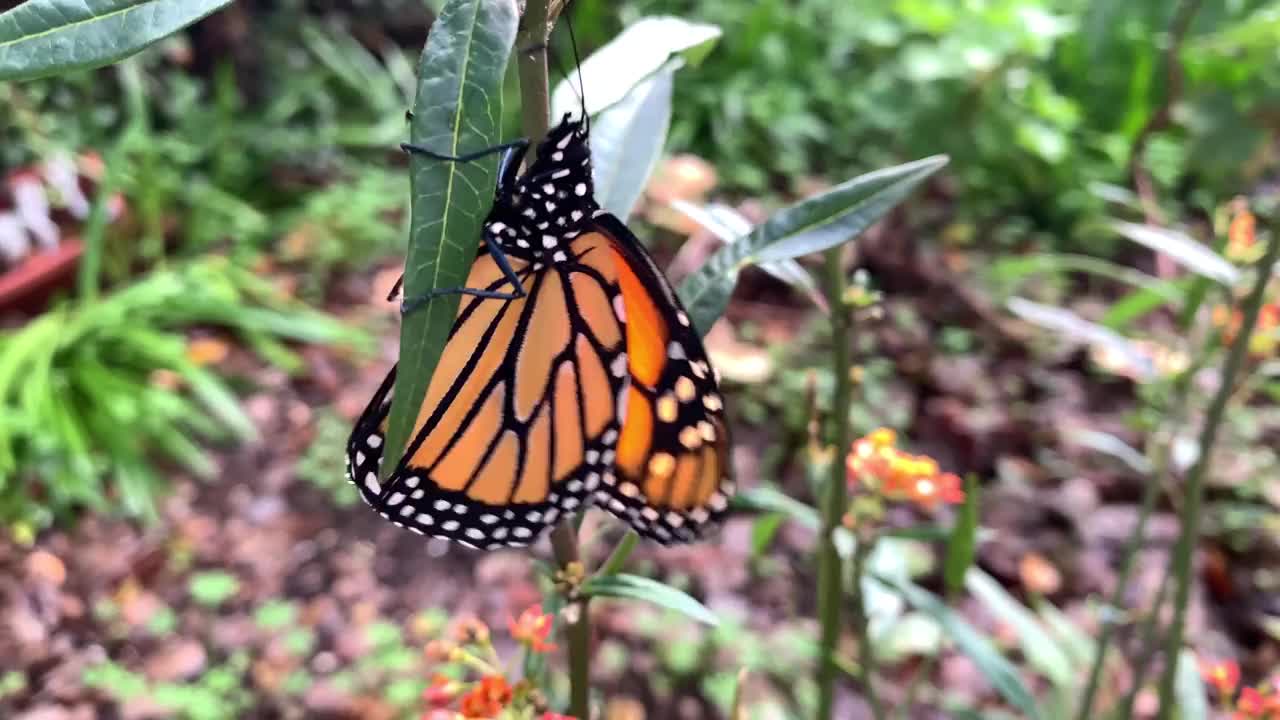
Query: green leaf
[[212, 588], [1068, 324], [963, 542], [1139, 303], [1189, 689], [998, 671], [1039, 647], [764, 499], [812, 225], [730, 226], [275, 615], [627, 140], [458, 109], [634, 587], [762, 532], [1011, 270], [1109, 444], [636, 53], [46, 37], [1186, 251]]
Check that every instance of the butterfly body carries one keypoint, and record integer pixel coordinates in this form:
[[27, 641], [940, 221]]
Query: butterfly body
[[571, 376]]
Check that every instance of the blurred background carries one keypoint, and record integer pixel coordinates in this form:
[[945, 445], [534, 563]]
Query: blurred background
[[196, 244]]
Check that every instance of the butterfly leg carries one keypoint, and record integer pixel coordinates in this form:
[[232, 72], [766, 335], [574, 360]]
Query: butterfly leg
[[520, 144], [504, 264]]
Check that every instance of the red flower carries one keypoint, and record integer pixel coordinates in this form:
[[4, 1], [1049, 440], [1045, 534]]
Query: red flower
[[556, 716], [532, 629], [1255, 704], [442, 691], [487, 698], [1224, 676]]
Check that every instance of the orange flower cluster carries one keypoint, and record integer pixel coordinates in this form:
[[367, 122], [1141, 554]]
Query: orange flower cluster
[[1242, 234], [1266, 334], [1261, 702], [492, 696], [875, 463]]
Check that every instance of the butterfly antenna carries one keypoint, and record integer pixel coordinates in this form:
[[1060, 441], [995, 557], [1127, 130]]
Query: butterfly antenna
[[577, 60]]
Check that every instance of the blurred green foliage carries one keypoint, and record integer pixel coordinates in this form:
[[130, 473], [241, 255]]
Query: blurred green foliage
[[1035, 101], [93, 394]]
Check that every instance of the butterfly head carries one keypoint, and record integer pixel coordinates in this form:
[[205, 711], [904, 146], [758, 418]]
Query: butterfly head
[[555, 197]]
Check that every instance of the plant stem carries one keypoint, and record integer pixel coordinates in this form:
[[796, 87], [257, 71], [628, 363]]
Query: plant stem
[[834, 500], [1155, 481], [1184, 550], [862, 626], [1146, 651], [535, 101], [913, 687]]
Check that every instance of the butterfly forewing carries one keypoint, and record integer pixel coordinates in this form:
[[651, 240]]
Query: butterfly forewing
[[519, 421]]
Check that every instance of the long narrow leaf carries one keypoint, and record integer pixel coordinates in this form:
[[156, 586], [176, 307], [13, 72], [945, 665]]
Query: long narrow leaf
[[1041, 650], [634, 587], [637, 52], [1068, 324], [1189, 689], [963, 542], [812, 225], [458, 110], [46, 37], [769, 500], [1189, 253], [627, 139], [998, 671]]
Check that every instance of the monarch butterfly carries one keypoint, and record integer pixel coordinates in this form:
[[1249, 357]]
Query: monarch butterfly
[[572, 376]]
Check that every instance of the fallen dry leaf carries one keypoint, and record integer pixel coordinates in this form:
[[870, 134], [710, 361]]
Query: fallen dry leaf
[[1039, 575], [46, 567]]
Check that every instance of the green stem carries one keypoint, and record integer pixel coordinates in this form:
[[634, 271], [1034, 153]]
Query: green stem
[[862, 626], [535, 109], [1137, 538], [834, 500], [913, 687], [1184, 550], [1148, 645]]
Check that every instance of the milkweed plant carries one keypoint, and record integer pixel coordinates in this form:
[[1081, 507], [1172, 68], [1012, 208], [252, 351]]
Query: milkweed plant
[[626, 88]]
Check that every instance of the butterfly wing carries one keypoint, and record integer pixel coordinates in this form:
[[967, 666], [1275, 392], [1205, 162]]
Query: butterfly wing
[[672, 454], [520, 418]]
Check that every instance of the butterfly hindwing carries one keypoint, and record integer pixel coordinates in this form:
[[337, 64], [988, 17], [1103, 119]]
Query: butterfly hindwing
[[672, 455]]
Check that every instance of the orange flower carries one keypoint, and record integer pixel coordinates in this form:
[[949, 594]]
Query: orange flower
[[1242, 236], [532, 628], [874, 461], [487, 698], [929, 491], [1223, 676], [1255, 704]]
